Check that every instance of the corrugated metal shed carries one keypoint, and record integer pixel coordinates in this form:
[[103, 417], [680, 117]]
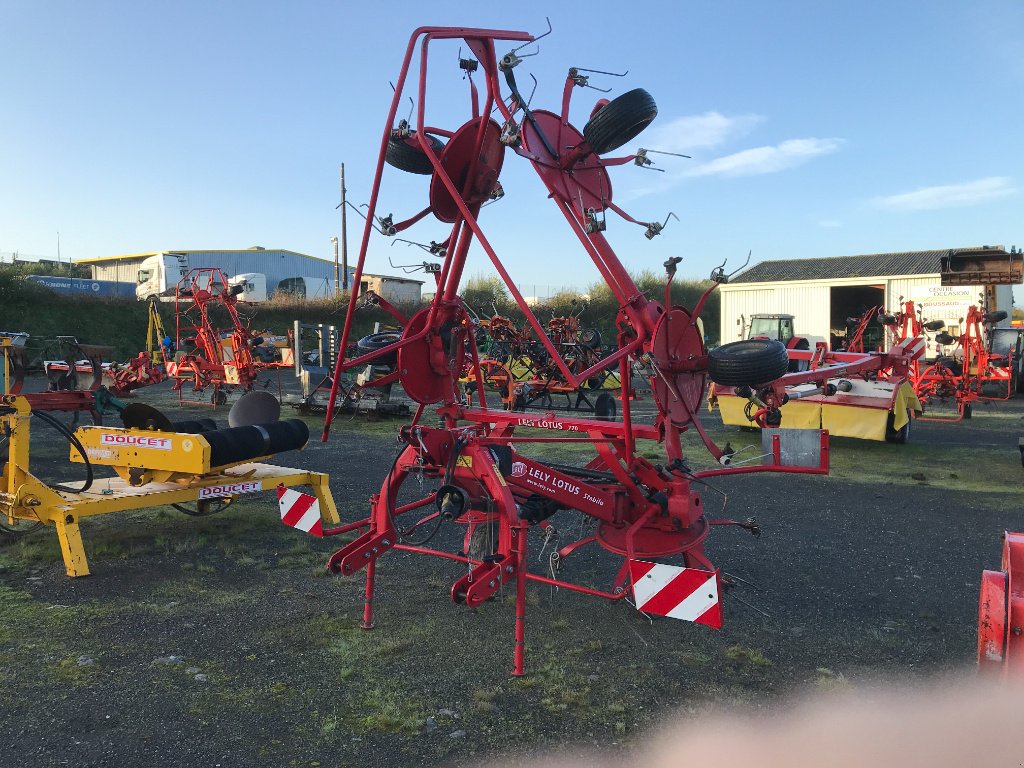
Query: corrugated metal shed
[[821, 293], [841, 267]]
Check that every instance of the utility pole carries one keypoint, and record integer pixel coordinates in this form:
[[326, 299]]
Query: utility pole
[[344, 234], [337, 284]]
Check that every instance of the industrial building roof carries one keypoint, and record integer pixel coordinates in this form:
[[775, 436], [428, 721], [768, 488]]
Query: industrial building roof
[[98, 259], [838, 267]]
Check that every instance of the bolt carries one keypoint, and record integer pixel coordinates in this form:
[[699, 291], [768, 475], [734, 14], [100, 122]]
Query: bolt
[[491, 583], [69, 519], [374, 550], [508, 569], [1017, 631], [385, 543], [366, 555]]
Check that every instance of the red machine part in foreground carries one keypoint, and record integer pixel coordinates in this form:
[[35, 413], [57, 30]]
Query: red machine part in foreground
[[637, 509], [1001, 613]]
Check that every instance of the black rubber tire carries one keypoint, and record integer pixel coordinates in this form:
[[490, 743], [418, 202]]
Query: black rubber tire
[[945, 339], [899, 436], [750, 362], [605, 407], [934, 325], [591, 337], [376, 341], [219, 397], [995, 317], [620, 120], [406, 156], [968, 411], [484, 541], [799, 366]]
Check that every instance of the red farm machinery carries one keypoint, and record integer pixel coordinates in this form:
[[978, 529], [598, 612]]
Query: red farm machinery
[[74, 375], [207, 356], [1001, 611], [979, 361], [464, 470], [519, 368], [149, 366]]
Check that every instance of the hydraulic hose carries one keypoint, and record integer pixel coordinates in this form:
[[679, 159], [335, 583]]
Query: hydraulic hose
[[76, 444]]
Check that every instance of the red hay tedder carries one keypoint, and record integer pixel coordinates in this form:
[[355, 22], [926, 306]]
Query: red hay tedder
[[207, 356], [968, 367], [462, 467]]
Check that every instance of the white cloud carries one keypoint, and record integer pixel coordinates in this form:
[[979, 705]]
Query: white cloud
[[751, 162], [690, 132], [950, 195]]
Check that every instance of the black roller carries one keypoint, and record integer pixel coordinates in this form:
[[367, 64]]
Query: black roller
[[237, 444], [194, 426]]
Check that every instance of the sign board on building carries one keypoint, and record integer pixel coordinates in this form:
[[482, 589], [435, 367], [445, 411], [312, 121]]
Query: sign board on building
[[944, 301]]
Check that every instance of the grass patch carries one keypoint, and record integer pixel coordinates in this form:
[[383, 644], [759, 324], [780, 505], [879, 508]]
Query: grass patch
[[828, 680], [389, 709], [749, 657]]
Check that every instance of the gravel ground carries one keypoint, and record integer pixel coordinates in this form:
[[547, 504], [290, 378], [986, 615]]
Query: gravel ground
[[220, 641]]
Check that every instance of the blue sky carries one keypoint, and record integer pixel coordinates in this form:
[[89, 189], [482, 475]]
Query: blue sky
[[815, 128]]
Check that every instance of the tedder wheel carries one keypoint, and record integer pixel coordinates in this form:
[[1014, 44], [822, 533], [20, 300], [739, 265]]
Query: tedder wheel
[[219, 397], [604, 407], [968, 411], [901, 435], [484, 541], [406, 155], [748, 363], [620, 120]]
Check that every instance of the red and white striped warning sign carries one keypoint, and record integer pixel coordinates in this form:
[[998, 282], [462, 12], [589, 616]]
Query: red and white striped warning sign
[[300, 510], [690, 594]]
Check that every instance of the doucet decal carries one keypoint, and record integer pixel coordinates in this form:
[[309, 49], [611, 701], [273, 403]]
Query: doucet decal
[[229, 489], [136, 441]]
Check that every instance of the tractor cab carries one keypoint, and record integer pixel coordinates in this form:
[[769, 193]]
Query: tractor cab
[[778, 327]]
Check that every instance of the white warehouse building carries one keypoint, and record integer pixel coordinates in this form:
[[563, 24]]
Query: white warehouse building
[[821, 294]]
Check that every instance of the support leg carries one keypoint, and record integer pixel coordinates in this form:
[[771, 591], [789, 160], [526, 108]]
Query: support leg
[[371, 573], [328, 509], [71, 546], [519, 656]]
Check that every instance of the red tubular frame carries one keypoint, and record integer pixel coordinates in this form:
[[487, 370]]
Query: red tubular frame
[[640, 509]]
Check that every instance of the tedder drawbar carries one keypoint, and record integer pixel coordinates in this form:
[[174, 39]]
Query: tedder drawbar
[[649, 514]]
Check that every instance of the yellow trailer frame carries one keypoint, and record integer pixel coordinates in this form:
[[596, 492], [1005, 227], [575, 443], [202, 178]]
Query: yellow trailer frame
[[178, 473]]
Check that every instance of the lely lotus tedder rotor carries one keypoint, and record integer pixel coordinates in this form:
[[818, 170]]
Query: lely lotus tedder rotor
[[649, 514]]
